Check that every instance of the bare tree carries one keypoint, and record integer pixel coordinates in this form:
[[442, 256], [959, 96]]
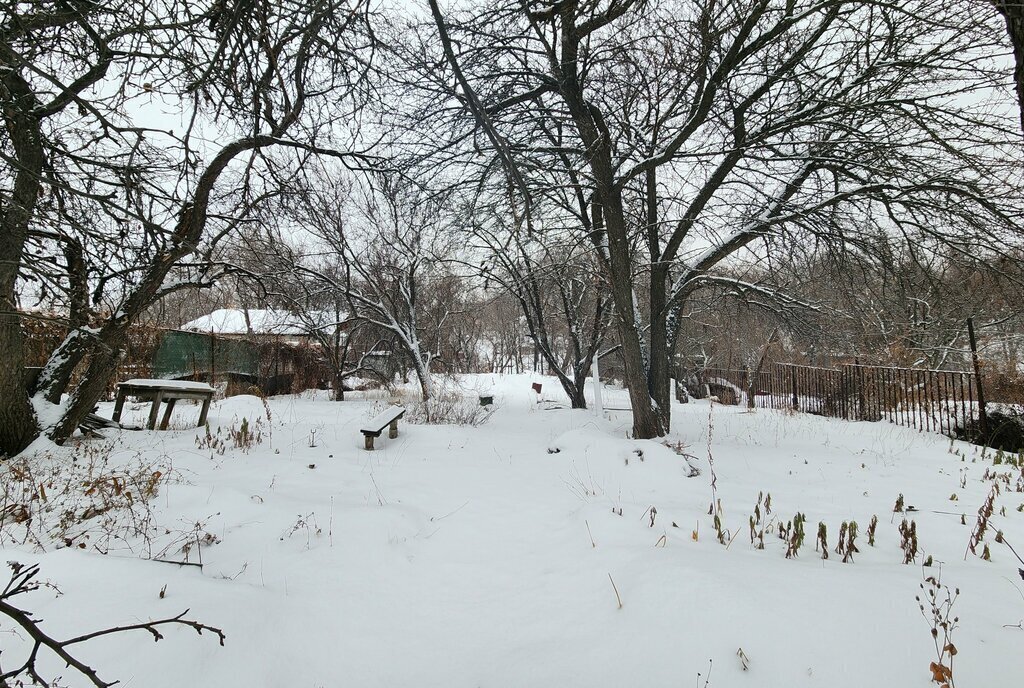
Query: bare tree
[[269, 273], [102, 217], [560, 292], [374, 246], [702, 134]]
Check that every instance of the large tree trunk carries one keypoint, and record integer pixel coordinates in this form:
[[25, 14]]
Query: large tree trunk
[[576, 397], [101, 368], [56, 374], [573, 387], [1013, 12], [18, 425], [658, 382], [647, 421], [659, 351], [338, 360], [423, 376], [338, 393]]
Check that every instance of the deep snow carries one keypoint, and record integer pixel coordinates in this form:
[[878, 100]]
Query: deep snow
[[462, 556]]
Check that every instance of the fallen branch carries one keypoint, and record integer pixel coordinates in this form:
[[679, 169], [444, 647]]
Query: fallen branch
[[23, 580]]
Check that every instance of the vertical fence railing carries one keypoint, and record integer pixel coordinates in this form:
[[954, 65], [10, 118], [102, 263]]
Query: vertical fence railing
[[931, 400]]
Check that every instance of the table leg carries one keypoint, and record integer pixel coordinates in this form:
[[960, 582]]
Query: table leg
[[167, 414], [206, 409], [154, 410], [118, 406]]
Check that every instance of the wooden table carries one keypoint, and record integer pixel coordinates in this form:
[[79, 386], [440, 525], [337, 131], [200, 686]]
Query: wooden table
[[158, 391]]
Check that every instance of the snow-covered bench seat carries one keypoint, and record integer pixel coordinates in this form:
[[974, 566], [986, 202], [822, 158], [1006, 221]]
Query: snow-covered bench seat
[[158, 391], [375, 426]]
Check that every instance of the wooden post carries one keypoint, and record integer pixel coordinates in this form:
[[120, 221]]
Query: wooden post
[[968, 417], [393, 429], [154, 410], [598, 399], [368, 442], [167, 414], [982, 419], [206, 410], [119, 405]]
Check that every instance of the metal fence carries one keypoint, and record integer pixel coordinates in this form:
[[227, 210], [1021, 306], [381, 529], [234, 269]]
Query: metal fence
[[943, 401]]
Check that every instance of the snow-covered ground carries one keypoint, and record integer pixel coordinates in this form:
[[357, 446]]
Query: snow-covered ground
[[485, 556]]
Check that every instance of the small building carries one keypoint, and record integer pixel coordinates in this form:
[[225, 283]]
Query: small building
[[239, 348], [260, 323]]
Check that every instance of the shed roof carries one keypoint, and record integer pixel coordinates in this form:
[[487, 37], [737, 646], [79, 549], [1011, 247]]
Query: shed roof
[[260, 321]]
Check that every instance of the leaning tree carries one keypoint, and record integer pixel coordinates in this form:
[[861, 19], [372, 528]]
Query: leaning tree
[[108, 203]]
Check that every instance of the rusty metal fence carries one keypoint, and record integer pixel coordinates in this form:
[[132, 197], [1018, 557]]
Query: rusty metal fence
[[943, 401]]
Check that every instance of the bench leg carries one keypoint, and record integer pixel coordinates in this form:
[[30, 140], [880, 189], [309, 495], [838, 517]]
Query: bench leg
[[118, 407], [154, 410], [368, 442], [202, 414], [393, 429], [167, 414]]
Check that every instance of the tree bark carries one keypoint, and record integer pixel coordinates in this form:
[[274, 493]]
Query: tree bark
[[18, 425], [56, 374], [338, 393], [1013, 13], [647, 421], [423, 375], [659, 351], [576, 397]]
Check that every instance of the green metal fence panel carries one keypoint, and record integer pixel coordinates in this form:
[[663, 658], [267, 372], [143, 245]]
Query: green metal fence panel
[[190, 354]]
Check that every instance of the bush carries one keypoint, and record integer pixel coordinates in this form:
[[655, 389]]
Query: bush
[[80, 498], [1005, 427], [445, 408]]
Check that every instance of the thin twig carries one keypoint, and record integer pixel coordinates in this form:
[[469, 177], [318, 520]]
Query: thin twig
[[617, 596]]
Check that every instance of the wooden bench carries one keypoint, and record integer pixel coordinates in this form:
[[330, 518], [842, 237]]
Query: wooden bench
[[375, 426], [158, 391]]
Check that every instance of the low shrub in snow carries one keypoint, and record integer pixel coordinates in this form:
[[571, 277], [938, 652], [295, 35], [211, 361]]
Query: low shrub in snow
[[445, 408], [243, 436], [936, 607], [79, 498], [1006, 427]]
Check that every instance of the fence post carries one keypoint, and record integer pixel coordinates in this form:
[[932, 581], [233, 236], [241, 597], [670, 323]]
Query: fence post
[[598, 401], [792, 379], [860, 389], [842, 392], [982, 420], [213, 359]]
